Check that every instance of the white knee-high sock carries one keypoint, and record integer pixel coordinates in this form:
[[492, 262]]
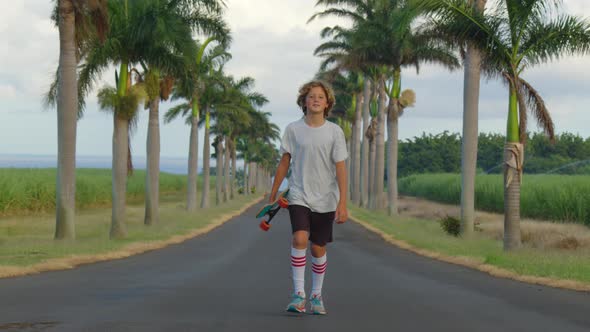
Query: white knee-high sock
[[298, 261], [318, 266]]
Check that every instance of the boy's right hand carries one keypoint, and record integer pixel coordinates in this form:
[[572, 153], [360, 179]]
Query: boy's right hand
[[271, 198]]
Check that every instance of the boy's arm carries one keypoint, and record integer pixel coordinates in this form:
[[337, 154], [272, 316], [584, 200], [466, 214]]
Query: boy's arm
[[341, 211], [280, 176]]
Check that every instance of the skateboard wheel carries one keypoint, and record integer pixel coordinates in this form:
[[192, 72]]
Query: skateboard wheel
[[265, 226], [283, 202]]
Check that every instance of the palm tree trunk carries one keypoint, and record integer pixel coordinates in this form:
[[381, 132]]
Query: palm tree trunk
[[193, 161], [120, 160], [512, 235], [513, 157], [252, 176], [152, 181], [471, 84], [349, 164], [234, 165], [119, 169], [259, 181], [206, 163], [365, 147], [67, 113], [392, 156], [226, 175], [218, 170], [245, 175], [380, 146], [356, 150], [372, 177]]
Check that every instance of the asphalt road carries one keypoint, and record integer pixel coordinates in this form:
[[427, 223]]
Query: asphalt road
[[237, 278]]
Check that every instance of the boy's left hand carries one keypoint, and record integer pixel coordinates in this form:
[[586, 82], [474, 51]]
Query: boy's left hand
[[341, 213]]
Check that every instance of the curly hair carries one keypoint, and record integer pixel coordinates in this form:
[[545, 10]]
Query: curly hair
[[304, 90]]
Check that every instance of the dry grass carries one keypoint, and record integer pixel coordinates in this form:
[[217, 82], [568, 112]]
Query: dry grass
[[537, 234]]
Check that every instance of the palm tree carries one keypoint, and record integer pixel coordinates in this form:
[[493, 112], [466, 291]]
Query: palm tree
[[131, 41], [231, 115], [72, 19], [349, 102], [191, 87], [213, 94], [250, 104], [471, 81], [392, 41], [168, 25], [122, 48], [341, 52], [516, 36]]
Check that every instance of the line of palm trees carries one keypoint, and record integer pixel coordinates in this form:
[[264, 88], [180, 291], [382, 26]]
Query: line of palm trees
[[365, 61], [151, 43]]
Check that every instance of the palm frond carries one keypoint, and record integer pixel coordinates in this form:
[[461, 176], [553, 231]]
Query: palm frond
[[567, 35], [176, 111], [538, 108]]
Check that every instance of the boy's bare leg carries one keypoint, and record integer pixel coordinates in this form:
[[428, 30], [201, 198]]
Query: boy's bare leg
[[318, 251], [300, 239]]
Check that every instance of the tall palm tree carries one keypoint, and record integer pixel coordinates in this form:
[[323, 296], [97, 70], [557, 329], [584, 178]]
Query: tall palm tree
[[471, 82], [348, 87], [471, 85], [130, 42], [340, 51], [213, 95], [231, 115], [191, 87], [261, 132], [77, 22], [392, 41], [170, 38], [516, 36], [237, 129], [122, 48], [168, 26]]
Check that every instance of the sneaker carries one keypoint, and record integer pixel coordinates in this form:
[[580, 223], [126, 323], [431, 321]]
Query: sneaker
[[317, 305], [297, 303]]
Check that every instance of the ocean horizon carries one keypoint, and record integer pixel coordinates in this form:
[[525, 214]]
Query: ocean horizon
[[174, 165]]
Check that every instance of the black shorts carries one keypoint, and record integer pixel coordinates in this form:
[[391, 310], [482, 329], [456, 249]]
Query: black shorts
[[319, 225]]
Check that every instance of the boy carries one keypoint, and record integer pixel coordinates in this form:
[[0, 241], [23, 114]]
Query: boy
[[316, 150]]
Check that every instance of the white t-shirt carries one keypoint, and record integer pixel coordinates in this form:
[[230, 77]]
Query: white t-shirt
[[314, 153]]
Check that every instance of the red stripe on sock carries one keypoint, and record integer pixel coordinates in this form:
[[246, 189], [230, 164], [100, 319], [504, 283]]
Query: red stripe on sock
[[319, 271], [298, 259], [297, 265], [319, 265]]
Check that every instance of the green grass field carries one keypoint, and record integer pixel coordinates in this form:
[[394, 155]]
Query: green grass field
[[564, 198], [26, 191]]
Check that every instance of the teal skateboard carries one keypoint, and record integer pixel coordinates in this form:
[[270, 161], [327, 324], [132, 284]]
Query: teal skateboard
[[271, 209]]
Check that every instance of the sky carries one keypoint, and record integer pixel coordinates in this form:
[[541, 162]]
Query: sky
[[273, 43]]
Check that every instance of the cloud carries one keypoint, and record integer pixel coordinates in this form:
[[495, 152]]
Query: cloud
[[7, 91], [274, 44], [276, 17]]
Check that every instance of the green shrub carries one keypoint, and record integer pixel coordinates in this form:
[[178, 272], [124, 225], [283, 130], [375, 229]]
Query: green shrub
[[450, 225]]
